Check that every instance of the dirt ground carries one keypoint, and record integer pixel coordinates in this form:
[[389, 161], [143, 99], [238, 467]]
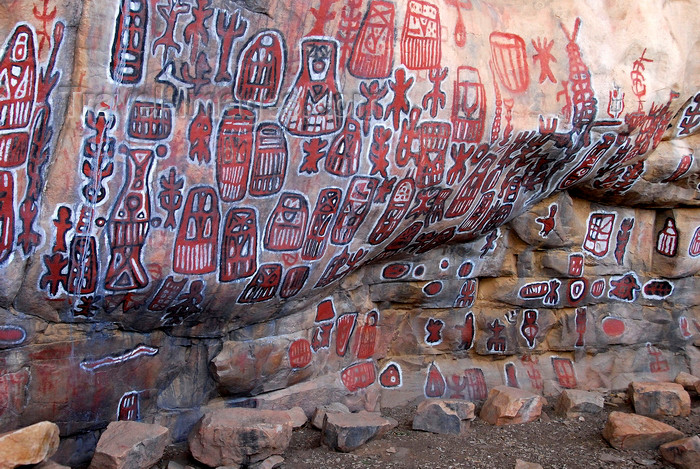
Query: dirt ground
[[551, 441]]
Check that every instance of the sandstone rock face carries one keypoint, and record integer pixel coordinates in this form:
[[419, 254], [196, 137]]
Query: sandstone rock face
[[636, 432], [29, 445], [240, 436], [340, 202], [683, 453], [659, 399], [447, 416], [347, 432], [574, 402], [506, 405], [130, 445]]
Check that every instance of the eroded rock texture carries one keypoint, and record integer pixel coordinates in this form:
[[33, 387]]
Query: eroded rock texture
[[366, 201]]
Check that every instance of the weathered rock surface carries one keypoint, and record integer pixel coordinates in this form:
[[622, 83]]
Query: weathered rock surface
[[320, 413], [506, 405], [688, 381], [298, 417], [347, 432], [574, 402], [240, 436], [377, 221], [446, 416], [683, 453], [130, 445], [659, 399], [28, 445], [637, 432]]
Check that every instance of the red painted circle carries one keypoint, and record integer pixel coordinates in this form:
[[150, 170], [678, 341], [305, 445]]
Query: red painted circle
[[613, 327]]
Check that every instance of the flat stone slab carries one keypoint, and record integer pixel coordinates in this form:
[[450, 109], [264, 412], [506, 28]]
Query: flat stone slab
[[235, 436], [130, 445], [320, 413], [659, 399], [683, 453], [574, 402], [346, 432], [637, 432], [444, 416], [506, 406]]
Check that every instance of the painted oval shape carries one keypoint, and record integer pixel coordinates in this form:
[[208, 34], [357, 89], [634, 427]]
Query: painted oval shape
[[12, 335], [444, 264], [577, 290], [465, 269], [299, 353], [432, 288], [395, 271], [598, 288], [419, 271], [613, 327]]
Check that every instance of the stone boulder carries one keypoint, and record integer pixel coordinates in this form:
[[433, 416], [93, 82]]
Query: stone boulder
[[298, 417], [346, 432], [28, 445], [130, 445], [270, 463], [520, 464], [574, 402], [659, 399], [636, 432], [688, 381], [446, 416], [320, 413], [506, 405], [236, 436], [683, 453]]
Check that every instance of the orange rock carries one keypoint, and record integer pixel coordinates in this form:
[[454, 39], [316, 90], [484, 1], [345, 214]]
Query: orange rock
[[506, 405], [659, 399], [632, 431], [28, 445]]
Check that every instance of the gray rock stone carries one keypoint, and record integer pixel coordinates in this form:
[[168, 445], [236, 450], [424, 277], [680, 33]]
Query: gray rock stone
[[446, 416], [237, 436], [346, 432], [320, 413], [270, 463], [574, 402], [130, 445]]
